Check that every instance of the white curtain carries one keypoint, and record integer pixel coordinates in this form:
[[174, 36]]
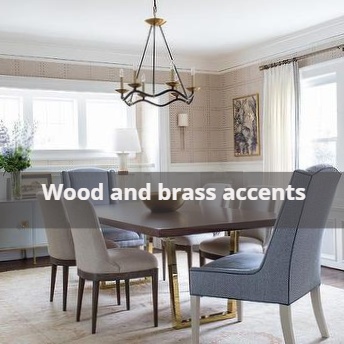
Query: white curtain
[[279, 116]]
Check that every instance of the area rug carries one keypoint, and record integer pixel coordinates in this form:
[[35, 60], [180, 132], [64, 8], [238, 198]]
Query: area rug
[[27, 316]]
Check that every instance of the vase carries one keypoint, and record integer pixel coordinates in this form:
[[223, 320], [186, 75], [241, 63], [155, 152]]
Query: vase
[[16, 184]]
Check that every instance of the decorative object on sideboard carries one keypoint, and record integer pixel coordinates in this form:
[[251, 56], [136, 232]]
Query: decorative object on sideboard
[[15, 145], [182, 122], [126, 141], [246, 125], [175, 90]]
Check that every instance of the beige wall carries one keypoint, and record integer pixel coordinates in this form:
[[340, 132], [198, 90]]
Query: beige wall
[[209, 136]]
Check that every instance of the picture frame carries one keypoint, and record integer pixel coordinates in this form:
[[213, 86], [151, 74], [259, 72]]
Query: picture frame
[[32, 183], [246, 125]]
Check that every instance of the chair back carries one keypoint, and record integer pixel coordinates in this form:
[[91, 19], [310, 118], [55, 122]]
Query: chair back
[[291, 265], [90, 178], [57, 228], [90, 248], [219, 191], [262, 234]]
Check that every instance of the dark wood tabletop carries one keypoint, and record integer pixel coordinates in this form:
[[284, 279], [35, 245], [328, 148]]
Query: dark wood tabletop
[[191, 218]]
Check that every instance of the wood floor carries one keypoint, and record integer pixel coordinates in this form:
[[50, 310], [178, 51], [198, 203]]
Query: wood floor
[[329, 276]]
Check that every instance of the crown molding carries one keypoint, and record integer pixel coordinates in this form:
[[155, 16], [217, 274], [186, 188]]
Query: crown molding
[[30, 48], [300, 41]]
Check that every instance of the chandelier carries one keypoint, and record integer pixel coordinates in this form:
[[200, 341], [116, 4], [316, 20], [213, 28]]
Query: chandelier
[[174, 87]]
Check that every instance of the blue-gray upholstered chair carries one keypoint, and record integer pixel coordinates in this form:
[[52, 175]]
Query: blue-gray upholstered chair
[[96, 263], [60, 243], [90, 178], [290, 267], [253, 240]]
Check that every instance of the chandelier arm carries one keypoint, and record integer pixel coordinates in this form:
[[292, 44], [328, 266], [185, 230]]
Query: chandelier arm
[[144, 51], [188, 101], [172, 60], [144, 94]]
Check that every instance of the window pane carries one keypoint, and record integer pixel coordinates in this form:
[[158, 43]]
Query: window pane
[[57, 124], [102, 117], [318, 125], [10, 109]]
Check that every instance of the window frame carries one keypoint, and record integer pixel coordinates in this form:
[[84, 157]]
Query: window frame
[[55, 88]]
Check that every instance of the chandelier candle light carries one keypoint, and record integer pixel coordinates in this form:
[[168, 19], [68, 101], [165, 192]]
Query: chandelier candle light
[[175, 87]]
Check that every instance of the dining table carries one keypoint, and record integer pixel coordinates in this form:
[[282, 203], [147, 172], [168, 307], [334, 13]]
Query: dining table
[[192, 218]]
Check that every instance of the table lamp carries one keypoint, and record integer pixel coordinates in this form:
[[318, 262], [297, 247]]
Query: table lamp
[[126, 141]]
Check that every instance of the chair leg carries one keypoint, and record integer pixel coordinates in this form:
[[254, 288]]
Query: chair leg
[[189, 254], [127, 294], [195, 309], [318, 312], [118, 291], [286, 322], [95, 295], [239, 310], [80, 295], [163, 252], [201, 259], [155, 296], [52, 281], [65, 286]]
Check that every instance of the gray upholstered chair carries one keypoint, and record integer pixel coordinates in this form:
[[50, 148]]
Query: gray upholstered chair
[[251, 240], [96, 263], [60, 243], [90, 178], [290, 267], [188, 242]]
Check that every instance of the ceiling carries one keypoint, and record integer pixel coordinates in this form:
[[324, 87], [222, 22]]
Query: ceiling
[[195, 29]]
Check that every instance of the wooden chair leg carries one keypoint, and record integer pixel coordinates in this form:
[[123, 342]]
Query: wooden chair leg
[[195, 309], [127, 294], [287, 326], [155, 296], [95, 295], [52, 281], [318, 312], [80, 295], [118, 291], [163, 252], [201, 259], [65, 286]]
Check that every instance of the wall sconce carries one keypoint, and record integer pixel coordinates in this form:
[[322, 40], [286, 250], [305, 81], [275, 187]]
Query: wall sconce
[[126, 141], [182, 122]]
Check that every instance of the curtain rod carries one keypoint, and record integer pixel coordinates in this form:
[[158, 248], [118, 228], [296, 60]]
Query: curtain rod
[[286, 61]]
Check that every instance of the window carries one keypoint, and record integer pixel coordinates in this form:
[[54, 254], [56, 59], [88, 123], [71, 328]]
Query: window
[[318, 121], [67, 121], [76, 121]]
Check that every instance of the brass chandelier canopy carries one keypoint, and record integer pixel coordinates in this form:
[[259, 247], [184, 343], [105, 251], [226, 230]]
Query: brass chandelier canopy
[[175, 88]]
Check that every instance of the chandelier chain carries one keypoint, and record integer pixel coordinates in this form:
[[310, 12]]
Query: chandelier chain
[[154, 9]]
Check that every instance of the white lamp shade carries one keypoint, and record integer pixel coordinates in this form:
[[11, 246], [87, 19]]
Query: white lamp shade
[[126, 140]]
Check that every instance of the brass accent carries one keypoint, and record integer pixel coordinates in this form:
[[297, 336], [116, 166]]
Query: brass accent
[[135, 85], [155, 21], [177, 321], [193, 89], [122, 90], [24, 224], [234, 242], [173, 84]]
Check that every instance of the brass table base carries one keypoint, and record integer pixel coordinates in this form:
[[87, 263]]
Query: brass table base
[[177, 320]]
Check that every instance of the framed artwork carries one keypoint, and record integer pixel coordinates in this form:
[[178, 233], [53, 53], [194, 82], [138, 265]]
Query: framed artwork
[[32, 183], [246, 125]]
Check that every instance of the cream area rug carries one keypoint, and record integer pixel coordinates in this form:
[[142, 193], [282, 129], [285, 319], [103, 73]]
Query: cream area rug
[[27, 316]]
